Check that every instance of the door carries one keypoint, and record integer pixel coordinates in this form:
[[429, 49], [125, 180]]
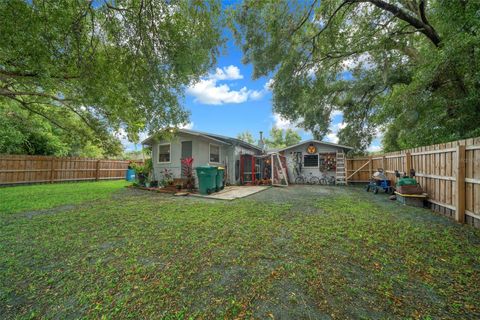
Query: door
[[186, 152]]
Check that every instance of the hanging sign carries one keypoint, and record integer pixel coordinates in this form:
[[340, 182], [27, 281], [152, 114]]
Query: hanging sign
[[311, 149]]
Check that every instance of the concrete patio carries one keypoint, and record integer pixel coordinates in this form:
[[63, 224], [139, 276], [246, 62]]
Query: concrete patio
[[233, 192]]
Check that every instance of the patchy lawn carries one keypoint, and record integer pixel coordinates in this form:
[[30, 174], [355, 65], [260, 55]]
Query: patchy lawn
[[286, 253], [46, 196]]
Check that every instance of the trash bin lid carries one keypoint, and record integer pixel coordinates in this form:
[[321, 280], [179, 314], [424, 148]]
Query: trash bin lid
[[206, 168]]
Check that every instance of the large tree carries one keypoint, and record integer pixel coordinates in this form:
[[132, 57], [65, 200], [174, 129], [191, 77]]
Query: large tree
[[280, 138], [409, 67], [113, 65], [246, 136]]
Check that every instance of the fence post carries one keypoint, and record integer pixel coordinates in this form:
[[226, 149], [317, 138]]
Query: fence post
[[52, 170], [97, 171], [460, 185], [346, 170], [408, 163], [370, 167]]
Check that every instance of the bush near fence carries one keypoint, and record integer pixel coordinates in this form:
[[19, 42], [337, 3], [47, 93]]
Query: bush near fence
[[449, 173], [24, 169]]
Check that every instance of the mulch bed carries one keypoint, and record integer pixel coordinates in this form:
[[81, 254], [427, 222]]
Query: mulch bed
[[167, 189]]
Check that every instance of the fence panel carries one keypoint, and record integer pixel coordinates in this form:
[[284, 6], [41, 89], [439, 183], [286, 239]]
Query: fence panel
[[21, 169], [449, 173]]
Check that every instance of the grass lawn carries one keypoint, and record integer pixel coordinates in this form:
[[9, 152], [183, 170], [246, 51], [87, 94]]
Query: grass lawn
[[46, 196], [301, 252]]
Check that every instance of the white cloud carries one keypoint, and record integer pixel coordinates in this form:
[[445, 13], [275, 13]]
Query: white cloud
[[227, 73], [268, 85], [334, 128], [208, 91], [332, 137], [374, 148], [282, 123]]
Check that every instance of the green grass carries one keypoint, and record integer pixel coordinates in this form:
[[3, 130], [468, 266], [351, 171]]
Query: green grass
[[285, 253], [47, 196]]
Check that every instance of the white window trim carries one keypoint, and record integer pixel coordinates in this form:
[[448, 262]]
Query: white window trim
[[219, 153], [308, 154], [170, 152]]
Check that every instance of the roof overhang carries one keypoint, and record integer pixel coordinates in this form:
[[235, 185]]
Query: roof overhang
[[152, 139], [316, 141]]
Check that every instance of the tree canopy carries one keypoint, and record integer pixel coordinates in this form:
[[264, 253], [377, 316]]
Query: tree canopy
[[409, 68], [246, 136], [280, 138], [89, 69]]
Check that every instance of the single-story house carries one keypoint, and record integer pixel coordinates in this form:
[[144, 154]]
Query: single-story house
[[314, 158], [204, 148]]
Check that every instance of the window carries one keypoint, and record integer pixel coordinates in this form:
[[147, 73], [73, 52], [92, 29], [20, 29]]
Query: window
[[310, 160], [214, 153], [164, 153]]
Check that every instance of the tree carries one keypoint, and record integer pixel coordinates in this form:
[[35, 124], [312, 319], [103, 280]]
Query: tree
[[246, 136], [292, 137], [22, 132], [408, 67], [280, 138], [110, 65]]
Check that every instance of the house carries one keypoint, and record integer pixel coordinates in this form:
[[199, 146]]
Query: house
[[204, 148], [315, 158]]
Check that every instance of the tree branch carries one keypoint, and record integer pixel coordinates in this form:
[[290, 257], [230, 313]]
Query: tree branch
[[24, 105], [20, 74], [420, 25], [305, 18]]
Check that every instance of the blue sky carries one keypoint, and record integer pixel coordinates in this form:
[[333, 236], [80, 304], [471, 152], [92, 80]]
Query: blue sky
[[228, 101]]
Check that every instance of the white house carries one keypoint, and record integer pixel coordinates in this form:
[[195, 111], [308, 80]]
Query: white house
[[204, 148]]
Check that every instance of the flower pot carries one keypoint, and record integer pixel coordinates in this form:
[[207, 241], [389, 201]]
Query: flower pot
[[142, 178]]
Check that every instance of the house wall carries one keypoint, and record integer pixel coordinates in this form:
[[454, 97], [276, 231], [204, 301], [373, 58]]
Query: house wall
[[200, 154], [321, 148]]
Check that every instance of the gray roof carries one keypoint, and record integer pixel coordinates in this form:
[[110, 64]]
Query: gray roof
[[211, 136], [319, 142]]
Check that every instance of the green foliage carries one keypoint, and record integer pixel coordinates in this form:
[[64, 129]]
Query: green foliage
[[410, 68], [246, 136], [22, 132], [280, 138], [92, 68], [142, 168], [144, 255]]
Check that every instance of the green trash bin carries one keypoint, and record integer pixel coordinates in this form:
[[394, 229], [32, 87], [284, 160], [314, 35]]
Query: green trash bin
[[220, 174], [207, 179]]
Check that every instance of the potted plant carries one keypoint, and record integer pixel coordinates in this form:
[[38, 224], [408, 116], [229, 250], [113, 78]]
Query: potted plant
[[140, 173], [187, 170], [167, 177]]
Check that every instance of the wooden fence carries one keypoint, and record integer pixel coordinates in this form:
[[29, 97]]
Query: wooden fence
[[19, 169], [449, 173]]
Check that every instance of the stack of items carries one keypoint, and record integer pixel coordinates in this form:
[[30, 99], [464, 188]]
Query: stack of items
[[409, 192], [407, 185]]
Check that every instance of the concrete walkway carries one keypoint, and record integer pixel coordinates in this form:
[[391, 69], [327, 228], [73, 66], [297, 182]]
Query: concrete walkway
[[233, 192]]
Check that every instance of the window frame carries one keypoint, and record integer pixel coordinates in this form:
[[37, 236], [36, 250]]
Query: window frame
[[169, 153], [318, 160], [210, 153]]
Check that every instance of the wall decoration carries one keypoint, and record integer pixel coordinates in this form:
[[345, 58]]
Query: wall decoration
[[311, 149]]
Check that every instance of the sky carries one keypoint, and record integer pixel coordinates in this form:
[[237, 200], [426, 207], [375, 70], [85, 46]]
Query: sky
[[228, 101]]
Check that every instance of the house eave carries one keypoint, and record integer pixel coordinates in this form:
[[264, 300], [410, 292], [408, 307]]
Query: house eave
[[316, 141]]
